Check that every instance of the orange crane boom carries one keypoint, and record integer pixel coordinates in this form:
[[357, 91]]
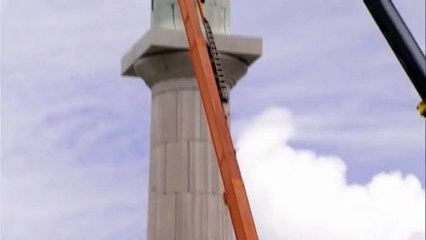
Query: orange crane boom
[[213, 91]]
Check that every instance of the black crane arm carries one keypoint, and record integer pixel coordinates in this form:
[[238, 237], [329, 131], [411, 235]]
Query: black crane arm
[[402, 43]]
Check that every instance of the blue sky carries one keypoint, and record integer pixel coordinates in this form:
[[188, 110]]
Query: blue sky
[[75, 134]]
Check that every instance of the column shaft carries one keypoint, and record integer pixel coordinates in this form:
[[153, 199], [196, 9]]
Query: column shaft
[[186, 190]]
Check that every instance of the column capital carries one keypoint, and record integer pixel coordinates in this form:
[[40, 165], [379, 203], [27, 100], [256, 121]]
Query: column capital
[[160, 53], [177, 65]]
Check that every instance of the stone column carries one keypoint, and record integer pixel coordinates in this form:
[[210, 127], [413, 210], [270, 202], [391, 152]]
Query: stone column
[[185, 186]]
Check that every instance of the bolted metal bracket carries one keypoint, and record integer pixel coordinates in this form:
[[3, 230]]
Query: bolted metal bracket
[[422, 108]]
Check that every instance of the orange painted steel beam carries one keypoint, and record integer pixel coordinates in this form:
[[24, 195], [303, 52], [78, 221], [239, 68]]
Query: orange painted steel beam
[[235, 193]]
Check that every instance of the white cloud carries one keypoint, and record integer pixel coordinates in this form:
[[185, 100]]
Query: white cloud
[[72, 170], [70, 201], [418, 236], [296, 194], [54, 39]]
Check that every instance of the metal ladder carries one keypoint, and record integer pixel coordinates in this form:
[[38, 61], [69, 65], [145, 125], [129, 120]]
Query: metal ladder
[[216, 63]]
